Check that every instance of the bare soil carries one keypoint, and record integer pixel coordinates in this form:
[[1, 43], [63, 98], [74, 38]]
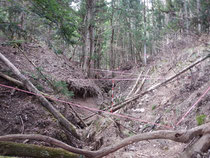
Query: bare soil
[[22, 113]]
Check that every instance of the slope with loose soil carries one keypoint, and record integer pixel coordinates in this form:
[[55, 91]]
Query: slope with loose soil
[[53, 75], [167, 104], [22, 113]]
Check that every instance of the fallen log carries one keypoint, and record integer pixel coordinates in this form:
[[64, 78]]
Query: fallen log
[[62, 120], [142, 83], [135, 85], [18, 83], [183, 136], [128, 100]]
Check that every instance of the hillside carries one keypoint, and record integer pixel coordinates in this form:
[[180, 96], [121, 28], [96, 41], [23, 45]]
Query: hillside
[[53, 74]]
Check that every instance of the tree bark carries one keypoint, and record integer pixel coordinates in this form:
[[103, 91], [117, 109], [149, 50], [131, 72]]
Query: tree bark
[[89, 35], [186, 16], [201, 145], [198, 15], [145, 34], [35, 151], [62, 120], [111, 58], [18, 83], [183, 136]]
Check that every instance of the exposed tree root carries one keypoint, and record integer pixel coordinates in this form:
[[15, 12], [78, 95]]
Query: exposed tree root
[[201, 145], [16, 149], [183, 136]]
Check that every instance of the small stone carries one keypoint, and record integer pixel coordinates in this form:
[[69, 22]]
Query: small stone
[[132, 148], [139, 110], [141, 126], [142, 110]]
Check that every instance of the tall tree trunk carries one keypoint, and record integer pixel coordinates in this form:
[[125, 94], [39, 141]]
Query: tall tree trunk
[[130, 40], [145, 34], [97, 52], [89, 35], [186, 16], [123, 59], [117, 51], [112, 59], [198, 15]]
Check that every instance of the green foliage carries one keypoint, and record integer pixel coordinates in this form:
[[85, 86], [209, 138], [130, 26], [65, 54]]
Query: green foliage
[[60, 14], [10, 21], [153, 107], [58, 51], [39, 87], [13, 42], [130, 134], [200, 119], [7, 157], [134, 22], [63, 88]]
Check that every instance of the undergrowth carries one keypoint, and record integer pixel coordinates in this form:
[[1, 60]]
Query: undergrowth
[[200, 119], [63, 88]]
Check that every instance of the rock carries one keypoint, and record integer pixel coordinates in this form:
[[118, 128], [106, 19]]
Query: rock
[[139, 110]]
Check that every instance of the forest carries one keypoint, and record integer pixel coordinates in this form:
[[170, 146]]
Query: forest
[[105, 78]]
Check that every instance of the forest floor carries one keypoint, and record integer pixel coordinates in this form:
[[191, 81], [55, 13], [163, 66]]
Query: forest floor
[[166, 105]]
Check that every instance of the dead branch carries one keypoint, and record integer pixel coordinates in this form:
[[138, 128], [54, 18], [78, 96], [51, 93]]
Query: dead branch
[[68, 125], [142, 83], [128, 100], [18, 83], [135, 85], [182, 136], [201, 145], [77, 115], [16, 149]]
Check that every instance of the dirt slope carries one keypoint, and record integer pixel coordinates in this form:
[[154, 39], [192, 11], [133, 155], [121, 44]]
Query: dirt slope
[[167, 104], [22, 113]]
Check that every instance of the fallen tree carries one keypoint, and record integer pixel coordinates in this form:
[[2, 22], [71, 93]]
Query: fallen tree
[[18, 83], [201, 133], [120, 105], [62, 120]]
